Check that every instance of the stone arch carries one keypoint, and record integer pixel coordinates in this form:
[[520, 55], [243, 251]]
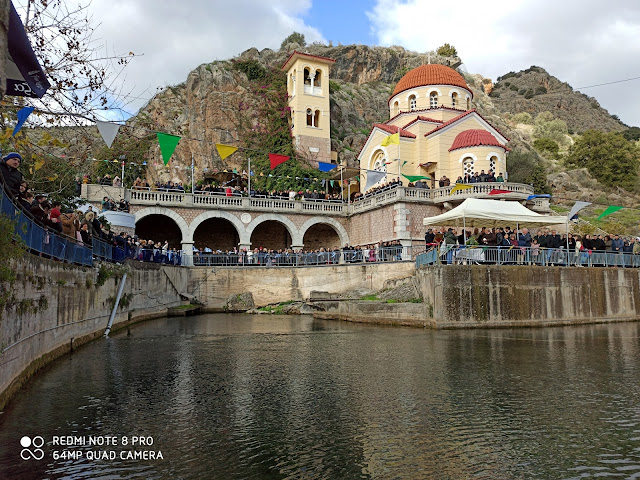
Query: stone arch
[[434, 89], [296, 238], [374, 153], [218, 214], [468, 154], [167, 212], [342, 233], [412, 93]]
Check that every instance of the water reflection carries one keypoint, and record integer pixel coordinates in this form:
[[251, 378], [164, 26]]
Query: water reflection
[[233, 396]]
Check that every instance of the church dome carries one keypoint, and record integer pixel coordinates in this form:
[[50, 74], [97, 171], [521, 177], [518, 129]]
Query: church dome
[[475, 138], [426, 75]]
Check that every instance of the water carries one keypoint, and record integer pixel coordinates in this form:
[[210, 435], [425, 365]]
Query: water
[[268, 397]]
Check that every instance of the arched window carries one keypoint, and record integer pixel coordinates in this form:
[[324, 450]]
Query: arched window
[[395, 108], [467, 166], [454, 99], [412, 103], [309, 117], [468, 103], [307, 76], [379, 164], [316, 79], [433, 99], [316, 119], [492, 163]]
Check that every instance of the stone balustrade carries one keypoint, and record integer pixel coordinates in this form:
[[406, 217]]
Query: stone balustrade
[[95, 194]]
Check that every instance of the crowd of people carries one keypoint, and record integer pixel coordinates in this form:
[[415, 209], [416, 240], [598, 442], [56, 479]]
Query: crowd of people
[[379, 252], [473, 178], [546, 246]]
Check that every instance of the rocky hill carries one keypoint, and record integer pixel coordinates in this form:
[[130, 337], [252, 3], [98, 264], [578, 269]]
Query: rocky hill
[[534, 91]]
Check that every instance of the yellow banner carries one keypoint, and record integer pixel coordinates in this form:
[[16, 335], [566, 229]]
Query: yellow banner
[[459, 187], [225, 150]]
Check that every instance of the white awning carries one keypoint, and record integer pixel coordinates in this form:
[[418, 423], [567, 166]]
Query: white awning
[[474, 212]]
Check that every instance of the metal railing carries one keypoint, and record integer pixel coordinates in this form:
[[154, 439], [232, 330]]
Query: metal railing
[[276, 259], [483, 255]]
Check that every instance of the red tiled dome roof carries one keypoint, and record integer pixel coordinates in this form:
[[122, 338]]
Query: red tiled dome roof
[[474, 138], [430, 75]]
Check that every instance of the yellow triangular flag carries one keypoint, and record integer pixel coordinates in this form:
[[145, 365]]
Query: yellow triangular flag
[[391, 140], [225, 150], [460, 186]]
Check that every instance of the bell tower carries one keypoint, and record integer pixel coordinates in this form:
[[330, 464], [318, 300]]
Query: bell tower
[[309, 117]]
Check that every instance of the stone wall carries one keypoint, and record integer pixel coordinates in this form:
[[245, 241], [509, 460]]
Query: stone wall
[[214, 285], [53, 307], [513, 296]]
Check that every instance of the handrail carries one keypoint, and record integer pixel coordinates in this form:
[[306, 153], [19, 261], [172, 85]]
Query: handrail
[[516, 255]]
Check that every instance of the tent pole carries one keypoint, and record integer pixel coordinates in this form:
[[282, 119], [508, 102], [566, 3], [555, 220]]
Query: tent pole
[[464, 230]]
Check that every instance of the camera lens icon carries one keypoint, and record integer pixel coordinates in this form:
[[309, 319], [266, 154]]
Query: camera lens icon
[[35, 452]]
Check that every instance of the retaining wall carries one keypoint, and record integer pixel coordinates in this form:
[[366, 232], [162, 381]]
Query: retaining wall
[[53, 307], [462, 296]]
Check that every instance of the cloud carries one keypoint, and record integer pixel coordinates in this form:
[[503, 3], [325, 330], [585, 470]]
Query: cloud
[[172, 38], [582, 43]]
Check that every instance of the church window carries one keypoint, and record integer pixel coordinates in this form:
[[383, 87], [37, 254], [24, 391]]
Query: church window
[[309, 118], [316, 119], [433, 99], [316, 79], [380, 164], [412, 103], [467, 166], [395, 108], [492, 163], [454, 99], [468, 103], [307, 76]]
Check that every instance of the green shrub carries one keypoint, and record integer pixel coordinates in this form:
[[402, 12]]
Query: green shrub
[[522, 91], [523, 117], [541, 90], [529, 94], [333, 87], [513, 88], [295, 37], [447, 50], [251, 68]]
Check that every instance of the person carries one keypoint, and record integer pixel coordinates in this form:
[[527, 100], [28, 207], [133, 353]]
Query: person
[[10, 173], [85, 235], [429, 238]]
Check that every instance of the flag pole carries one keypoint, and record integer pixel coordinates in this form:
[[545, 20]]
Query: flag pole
[[192, 175], [341, 184], [249, 181], [398, 153]]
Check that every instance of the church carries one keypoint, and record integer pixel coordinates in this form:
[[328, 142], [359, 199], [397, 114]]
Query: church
[[440, 133], [431, 108]]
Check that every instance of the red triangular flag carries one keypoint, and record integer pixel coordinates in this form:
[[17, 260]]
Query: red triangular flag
[[497, 191], [276, 159]]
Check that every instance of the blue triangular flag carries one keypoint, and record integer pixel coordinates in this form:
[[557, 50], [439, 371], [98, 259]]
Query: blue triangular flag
[[23, 114], [325, 167]]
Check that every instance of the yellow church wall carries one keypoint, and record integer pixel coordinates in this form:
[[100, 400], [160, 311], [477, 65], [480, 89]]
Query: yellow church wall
[[438, 149], [423, 99], [481, 155]]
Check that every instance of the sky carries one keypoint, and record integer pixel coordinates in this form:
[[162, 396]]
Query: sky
[[582, 42]]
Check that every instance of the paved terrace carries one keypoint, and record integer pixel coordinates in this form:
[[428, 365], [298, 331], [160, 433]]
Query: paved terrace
[[437, 196]]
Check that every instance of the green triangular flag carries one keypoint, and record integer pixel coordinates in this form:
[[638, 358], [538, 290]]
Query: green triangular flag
[[331, 182], [609, 211], [168, 144]]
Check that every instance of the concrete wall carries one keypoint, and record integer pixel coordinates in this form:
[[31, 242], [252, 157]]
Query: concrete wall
[[214, 285], [52, 306], [512, 296]]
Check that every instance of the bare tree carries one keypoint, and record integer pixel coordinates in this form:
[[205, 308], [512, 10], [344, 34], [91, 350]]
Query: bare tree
[[82, 70]]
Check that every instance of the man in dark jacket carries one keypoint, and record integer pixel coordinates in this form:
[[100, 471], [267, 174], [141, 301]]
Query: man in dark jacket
[[11, 176]]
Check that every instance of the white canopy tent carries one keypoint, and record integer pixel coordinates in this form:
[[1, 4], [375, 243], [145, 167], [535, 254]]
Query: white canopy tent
[[474, 212]]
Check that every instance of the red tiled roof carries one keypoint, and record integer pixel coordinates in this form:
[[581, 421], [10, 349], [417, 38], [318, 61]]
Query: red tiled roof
[[475, 138], [410, 112], [455, 119], [422, 119], [393, 129], [430, 75], [326, 59]]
